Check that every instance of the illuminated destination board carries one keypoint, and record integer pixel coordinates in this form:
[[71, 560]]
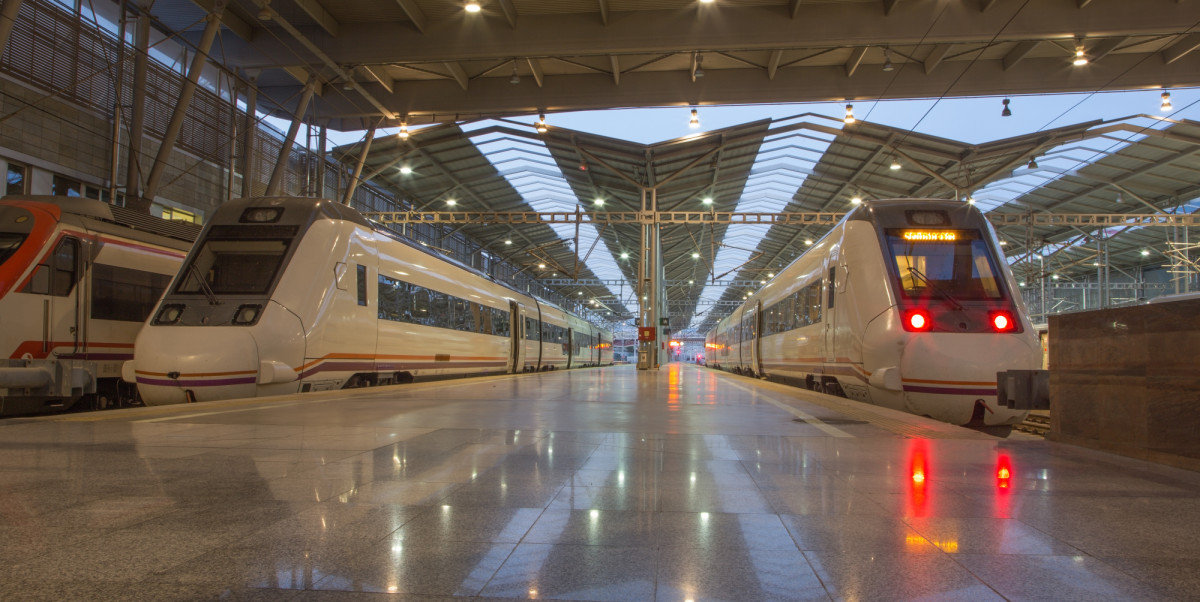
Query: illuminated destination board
[[930, 235]]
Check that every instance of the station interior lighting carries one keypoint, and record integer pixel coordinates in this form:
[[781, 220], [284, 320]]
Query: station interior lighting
[[1120, 198], [599, 202], [1166, 102], [624, 255], [515, 79], [1081, 58], [508, 241], [895, 164], [856, 200], [808, 242], [541, 126], [451, 202], [403, 133], [1145, 252], [405, 170], [264, 13], [473, 6], [707, 200], [695, 256], [1007, 112], [887, 60], [1032, 163], [694, 122], [849, 114]]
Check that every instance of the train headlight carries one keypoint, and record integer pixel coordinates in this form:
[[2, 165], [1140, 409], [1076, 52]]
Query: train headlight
[[169, 314], [917, 320], [247, 314], [1002, 321]]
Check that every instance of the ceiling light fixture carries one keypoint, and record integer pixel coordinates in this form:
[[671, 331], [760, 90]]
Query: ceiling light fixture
[[808, 242], [887, 59], [1145, 252], [403, 133], [451, 202], [405, 170], [264, 12], [1120, 199], [472, 6], [856, 200], [541, 126], [707, 200], [1081, 58], [1033, 163], [849, 115], [508, 241], [599, 202], [515, 79], [699, 72], [695, 255], [1006, 112], [895, 164], [1166, 102], [624, 255], [694, 122]]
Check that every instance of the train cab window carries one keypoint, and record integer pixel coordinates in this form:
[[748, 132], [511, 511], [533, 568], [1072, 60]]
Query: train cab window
[[932, 264], [233, 267], [9, 243], [362, 284]]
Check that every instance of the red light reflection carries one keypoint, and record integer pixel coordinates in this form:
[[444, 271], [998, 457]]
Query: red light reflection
[[1004, 473], [918, 468]]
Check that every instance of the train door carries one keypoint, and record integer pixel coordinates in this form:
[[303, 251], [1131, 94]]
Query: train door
[[756, 352], [828, 312], [516, 354], [539, 339], [570, 347], [56, 280]]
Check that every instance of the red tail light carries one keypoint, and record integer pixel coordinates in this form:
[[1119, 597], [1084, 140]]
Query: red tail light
[[1002, 321], [917, 320]]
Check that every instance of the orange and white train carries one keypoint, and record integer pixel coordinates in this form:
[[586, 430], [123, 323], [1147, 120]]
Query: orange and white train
[[287, 295], [78, 278], [906, 304]]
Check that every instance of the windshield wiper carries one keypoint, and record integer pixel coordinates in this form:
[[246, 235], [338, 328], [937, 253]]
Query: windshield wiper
[[204, 288], [937, 289]]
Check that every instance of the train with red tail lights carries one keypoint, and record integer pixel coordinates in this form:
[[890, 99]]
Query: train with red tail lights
[[284, 295], [78, 277], [906, 303]]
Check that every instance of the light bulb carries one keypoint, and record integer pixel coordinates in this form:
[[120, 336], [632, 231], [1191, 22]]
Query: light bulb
[[849, 114], [1166, 102], [694, 122], [403, 133]]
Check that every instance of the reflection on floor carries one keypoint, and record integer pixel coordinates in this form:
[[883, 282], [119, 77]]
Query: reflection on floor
[[600, 484]]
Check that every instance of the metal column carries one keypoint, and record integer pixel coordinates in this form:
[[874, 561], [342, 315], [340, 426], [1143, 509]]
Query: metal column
[[137, 115], [185, 100], [651, 296], [358, 166], [286, 149], [249, 131], [322, 137]]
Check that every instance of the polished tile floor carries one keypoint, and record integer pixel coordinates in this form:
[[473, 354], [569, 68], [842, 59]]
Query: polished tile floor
[[600, 484]]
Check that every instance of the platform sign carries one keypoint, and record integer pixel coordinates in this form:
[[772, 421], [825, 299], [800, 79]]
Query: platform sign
[[646, 333]]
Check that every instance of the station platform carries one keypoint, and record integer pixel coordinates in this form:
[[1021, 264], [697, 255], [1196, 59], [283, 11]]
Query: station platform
[[595, 484]]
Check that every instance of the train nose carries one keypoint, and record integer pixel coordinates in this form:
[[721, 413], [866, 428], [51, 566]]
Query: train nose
[[185, 364], [976, 358]]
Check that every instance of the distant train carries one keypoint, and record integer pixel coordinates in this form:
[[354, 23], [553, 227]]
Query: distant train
[[288, 295], [78, 278], [906, 304]]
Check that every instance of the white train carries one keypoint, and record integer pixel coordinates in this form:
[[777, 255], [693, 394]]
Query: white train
[[288, 295], [77, 279], [906, 304]]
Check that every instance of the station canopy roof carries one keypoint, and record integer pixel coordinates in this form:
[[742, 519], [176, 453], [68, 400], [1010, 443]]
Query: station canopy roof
[[807, 163]]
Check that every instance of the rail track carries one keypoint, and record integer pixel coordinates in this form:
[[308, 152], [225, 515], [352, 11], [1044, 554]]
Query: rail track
[[1037, 423]]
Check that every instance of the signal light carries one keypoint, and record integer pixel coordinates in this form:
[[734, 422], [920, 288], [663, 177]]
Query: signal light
[[1002, 321], [917, 320]]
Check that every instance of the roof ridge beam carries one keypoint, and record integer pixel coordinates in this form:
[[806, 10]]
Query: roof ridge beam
[[320, 15]]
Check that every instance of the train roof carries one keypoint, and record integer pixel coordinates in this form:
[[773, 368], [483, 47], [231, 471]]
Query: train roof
[[113, 214]]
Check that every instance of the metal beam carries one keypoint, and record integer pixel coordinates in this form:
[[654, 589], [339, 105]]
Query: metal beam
[[535, 67], [1181, 48], [320, 15], [459, 74], [236, 24], [1019, 51], [935, 57], [285, 149], [603, 11], [773, 63], [358, 166], [856, 57], [379, 74], [616, 69], [510, 12], [187, 91], [415, 14]]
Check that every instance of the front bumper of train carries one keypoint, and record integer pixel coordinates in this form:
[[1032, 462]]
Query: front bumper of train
[[191, 364]]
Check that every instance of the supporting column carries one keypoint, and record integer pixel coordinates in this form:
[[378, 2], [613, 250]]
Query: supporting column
[[358, 166], [137, 115], [321, 160], [249, 131], [185, 100], [651, 297], [286, 149], [8, 18]]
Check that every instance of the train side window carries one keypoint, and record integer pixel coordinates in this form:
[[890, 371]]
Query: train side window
[[66, 268], [832, 284], [125, 294], [461, 315], [439, 309], [362, 284], [421, 306], [500, 324]]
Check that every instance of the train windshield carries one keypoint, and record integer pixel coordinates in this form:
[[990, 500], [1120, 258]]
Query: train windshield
[[954, 264], [9, 243], [233, 267]]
